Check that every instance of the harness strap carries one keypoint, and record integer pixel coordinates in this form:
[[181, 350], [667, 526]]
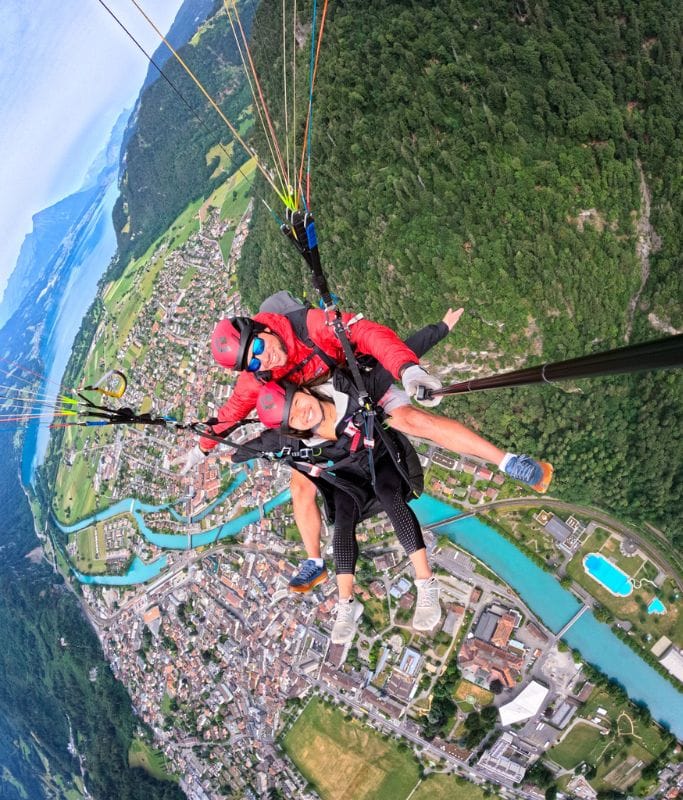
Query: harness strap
[[329, 362], [353, 432], [311, 469]]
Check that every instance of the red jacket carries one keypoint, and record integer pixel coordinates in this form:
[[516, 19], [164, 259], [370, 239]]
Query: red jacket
[[366, 337]]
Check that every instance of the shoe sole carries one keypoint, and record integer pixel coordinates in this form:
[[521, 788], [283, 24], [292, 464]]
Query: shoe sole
[[357, 614], [430, 628], [542, 486], [306, 587]]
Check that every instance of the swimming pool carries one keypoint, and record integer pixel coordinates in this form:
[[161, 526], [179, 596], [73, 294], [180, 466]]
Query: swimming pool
[[608, 574], [656, 607]]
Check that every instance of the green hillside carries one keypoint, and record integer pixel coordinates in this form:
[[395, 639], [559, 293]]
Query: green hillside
[[165, 165], [501, 157]]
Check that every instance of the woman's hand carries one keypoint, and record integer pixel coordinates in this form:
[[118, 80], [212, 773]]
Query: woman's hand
[[451, 317]]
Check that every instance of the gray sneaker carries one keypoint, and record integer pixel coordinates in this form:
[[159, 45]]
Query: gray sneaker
[[344, 628], [427, 608]]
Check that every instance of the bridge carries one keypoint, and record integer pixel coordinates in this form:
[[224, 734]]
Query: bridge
[[576, 616]]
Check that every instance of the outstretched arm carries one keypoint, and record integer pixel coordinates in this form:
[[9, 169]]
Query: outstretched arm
[[420, 342], [239, 405]]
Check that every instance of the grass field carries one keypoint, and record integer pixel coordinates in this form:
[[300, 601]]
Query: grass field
[[152, 761], [448, 787], [473, 694], [628, 742], [376, 613], [74, 493], [618, 712], [629, 564], [346, 760], [582, 743], [86, 560]]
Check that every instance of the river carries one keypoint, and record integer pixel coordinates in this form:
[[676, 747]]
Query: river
[[539, 589], [543, 594]]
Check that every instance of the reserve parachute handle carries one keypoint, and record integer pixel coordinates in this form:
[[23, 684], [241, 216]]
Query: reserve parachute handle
[[660, 354]]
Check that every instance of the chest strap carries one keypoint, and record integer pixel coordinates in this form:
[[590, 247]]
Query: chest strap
[[329, 362]]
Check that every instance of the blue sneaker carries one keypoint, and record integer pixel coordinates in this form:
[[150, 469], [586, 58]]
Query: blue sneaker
[[536, 474], [308, 576]]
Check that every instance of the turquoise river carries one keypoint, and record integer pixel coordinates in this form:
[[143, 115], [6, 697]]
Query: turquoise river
[[539, 589]]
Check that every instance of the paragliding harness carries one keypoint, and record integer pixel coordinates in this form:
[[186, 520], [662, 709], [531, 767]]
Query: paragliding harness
[[300, 230], [342, 464]]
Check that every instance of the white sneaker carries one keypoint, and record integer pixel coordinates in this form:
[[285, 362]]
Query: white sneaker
[[344, 628], [427, 608]]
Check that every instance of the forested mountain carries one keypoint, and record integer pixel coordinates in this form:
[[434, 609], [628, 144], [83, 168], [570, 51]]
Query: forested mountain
[[190, 16], [501, 156], [164, 164], [48, 690]]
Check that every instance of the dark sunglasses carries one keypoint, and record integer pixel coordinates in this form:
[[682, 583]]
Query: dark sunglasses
[[258, 345]]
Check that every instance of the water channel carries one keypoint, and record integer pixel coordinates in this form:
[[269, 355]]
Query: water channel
[[539, 589]]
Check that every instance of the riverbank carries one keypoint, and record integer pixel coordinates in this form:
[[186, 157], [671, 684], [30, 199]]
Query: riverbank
[[555, 606]]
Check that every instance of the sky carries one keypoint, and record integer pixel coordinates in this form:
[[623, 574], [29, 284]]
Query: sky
[[67, 70]]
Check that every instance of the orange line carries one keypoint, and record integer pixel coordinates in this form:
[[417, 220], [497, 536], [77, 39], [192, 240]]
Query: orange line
[[308, 116]]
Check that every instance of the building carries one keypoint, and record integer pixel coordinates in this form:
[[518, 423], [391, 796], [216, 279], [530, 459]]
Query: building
[[672, 661], [661, 646], [579, 787], [411, 661], [557, 529], [503, 630], [505, 761], [527, 704], [562, 714], [452, 622], [486, 626], [482, 663]]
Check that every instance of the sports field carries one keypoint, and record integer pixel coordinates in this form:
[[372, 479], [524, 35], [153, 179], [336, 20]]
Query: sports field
[[474, 695], [346, 760], [152, 761], [448, 787], [582, 743]]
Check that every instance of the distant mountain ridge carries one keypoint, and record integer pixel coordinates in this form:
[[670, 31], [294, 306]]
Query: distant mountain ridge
[[157, 182], [54, 228], [188, 19], [50, 227], [46, 688]]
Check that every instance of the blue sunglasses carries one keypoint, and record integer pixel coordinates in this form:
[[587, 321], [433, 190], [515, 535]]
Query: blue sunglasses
[[257, 348]]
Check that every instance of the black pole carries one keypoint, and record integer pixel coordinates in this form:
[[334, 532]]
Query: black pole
[[660, 354]]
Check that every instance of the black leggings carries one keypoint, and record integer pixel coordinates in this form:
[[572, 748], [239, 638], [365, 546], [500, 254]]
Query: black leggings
[[390, 491]]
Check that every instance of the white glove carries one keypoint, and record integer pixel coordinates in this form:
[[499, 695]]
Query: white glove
[[189, 460], [413, 377]]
